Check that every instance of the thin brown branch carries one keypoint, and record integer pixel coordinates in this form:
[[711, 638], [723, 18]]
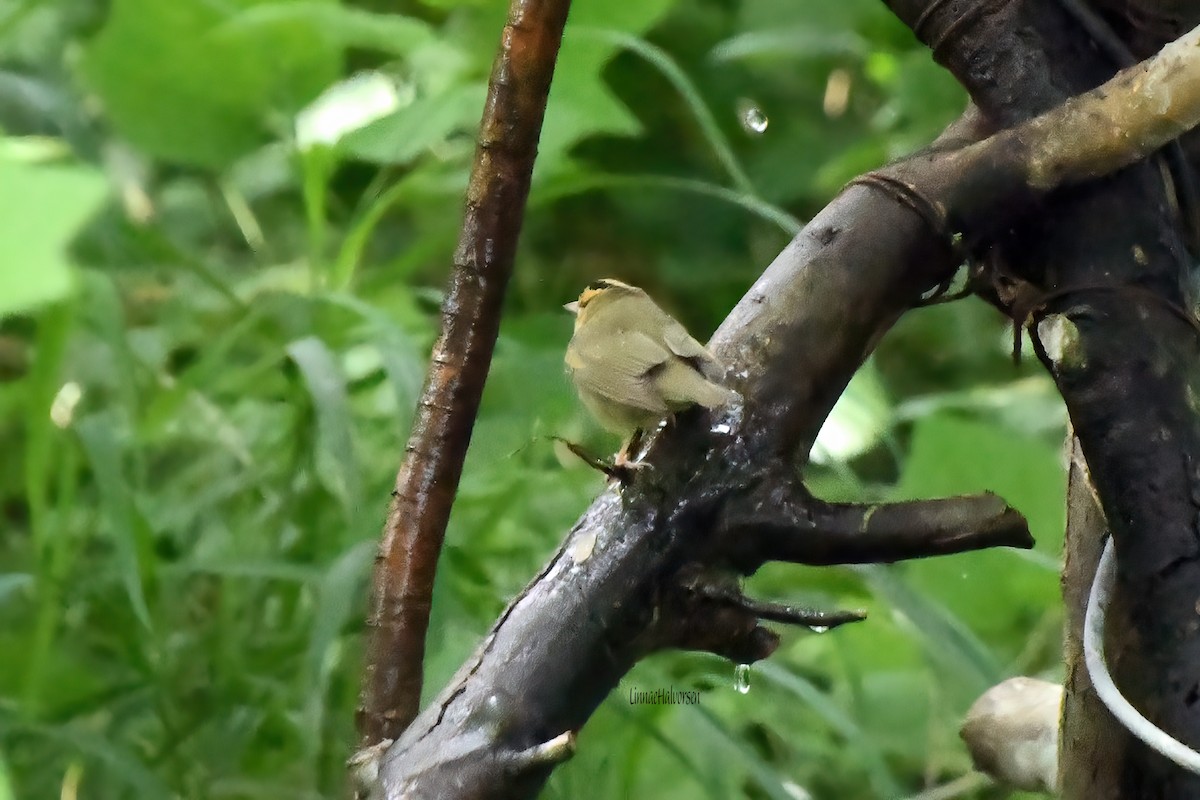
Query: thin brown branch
[[483, 261]]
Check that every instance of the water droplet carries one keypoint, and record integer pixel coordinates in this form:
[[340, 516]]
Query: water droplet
[[753, 120], [818, 628], [741, 678]]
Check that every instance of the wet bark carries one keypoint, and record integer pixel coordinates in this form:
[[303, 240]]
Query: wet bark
[[1107, 264]]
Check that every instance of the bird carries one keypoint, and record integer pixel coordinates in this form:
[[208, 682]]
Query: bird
[[634, 365]]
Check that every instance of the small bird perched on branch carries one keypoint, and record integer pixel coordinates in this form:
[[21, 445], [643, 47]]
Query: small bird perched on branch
[[634, 365]]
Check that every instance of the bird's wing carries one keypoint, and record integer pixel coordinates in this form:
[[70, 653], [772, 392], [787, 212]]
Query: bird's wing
[[617, 368], [683, 345], [681, 384]]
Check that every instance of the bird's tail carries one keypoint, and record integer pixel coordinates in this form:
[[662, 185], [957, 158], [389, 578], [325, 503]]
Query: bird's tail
[[685, 386]]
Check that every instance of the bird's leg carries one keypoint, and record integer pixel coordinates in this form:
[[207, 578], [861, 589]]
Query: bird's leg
[[596, 463], [621, 469], [623, 460]]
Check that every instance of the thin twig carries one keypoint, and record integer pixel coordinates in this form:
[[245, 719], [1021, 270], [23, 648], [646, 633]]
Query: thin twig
[[778, 612]]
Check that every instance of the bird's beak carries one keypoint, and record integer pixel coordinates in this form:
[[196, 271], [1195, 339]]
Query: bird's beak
[[572, 306]]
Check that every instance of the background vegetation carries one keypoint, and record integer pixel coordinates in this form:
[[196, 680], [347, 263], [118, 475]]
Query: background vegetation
[[216, 294]]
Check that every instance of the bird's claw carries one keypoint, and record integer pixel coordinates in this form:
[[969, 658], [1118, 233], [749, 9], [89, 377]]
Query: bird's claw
[[620, 469]]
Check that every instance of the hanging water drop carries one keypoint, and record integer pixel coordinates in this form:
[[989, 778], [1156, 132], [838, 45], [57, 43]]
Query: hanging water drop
[[818, 628], [753, 120], [741, 678]]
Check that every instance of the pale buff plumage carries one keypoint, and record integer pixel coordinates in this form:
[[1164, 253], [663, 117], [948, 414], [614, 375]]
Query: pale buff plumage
[[633, 364]]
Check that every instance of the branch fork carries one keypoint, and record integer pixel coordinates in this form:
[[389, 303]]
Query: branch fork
[[797, 337]]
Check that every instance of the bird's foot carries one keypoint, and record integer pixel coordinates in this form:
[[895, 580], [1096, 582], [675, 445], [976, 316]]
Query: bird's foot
[[623, 468], [620, 469], [625, 464]]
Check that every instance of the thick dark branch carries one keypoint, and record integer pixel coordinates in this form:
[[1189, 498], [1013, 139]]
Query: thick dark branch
[[428, 478], [1124, 360], [785, 524], [1128, 370], [977, 190], [1146, 25], [613, 592]]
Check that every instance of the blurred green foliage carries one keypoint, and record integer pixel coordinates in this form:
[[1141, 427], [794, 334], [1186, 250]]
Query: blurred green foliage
[[223, 258]]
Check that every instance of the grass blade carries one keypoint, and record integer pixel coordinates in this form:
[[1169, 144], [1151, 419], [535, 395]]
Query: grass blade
[[126, 528], [336, 463]]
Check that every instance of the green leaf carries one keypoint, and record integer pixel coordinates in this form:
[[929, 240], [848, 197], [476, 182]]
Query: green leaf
[[662, 61], [13, 583], [581, 103], [348, 106], [402, 360], [44, 382], [409, 132], [250, 570], [339, 594], [6, 788], [571, 182], [124, 764], [49, 550], [126, 529], [336, 463], [945, 638], [858, 420], [766, 775], [179, 86], [954, 455], [342, 25], [41, 208], [864, 746], [793, 43]]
